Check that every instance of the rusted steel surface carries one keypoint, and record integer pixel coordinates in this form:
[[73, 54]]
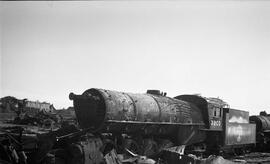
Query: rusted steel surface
[[262, 122], [118, 106], [177, 111], [200, 102], [239, 134], [91, 150], [146, 114]]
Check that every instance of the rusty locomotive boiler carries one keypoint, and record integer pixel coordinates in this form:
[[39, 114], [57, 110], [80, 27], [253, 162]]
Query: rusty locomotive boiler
[[198, 123], [144, 114]]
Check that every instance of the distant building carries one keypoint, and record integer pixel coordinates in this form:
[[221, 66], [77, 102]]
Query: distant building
[[36, 106], [11, 104], [41, 106]]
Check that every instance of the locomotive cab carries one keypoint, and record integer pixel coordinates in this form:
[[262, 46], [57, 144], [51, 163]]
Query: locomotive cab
[[213, 116], [215, 113]]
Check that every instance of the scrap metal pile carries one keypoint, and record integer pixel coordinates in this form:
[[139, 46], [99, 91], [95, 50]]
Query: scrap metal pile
[[69, 145], [114, 127]]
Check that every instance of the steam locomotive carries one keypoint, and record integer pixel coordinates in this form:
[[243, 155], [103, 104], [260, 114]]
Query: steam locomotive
[[262, 122], [148, 122]]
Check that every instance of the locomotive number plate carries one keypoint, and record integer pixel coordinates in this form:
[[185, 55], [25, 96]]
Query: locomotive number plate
[[215, 123]]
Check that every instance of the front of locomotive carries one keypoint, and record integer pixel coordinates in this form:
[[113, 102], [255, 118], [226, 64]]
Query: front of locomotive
[[90, 109], [113, 111]]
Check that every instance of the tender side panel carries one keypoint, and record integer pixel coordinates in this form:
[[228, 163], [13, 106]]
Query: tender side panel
[[240, 134]]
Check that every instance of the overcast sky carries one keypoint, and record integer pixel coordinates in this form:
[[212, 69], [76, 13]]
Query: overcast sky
[[215, 48]]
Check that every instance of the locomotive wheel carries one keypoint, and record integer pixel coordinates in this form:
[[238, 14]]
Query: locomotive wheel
[[108, 145], [132, 146], [150, 147]]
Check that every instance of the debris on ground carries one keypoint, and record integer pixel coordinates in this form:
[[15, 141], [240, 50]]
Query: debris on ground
[[254, 158]]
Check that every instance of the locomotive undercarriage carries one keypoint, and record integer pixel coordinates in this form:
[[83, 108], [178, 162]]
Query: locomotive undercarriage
[[150, 146], [158, 148]]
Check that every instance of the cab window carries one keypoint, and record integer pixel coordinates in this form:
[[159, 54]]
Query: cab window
[[216, 112]]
